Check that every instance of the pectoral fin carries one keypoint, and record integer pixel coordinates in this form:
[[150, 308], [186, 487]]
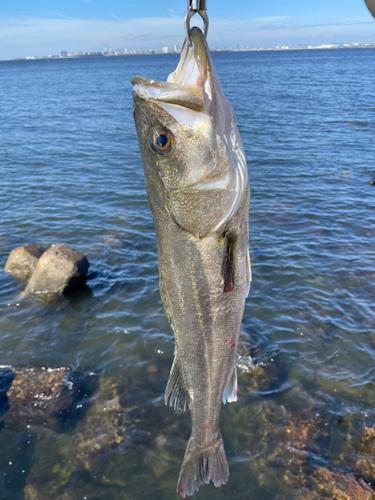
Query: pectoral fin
[[228, 270], [230, 393], [176, 393], [248, 271]]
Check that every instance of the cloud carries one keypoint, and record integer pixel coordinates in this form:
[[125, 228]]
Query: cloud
[[172, 14], [348, 22], [53, 14], [24, 36], [272, 19], [86, 1], [113, 15]]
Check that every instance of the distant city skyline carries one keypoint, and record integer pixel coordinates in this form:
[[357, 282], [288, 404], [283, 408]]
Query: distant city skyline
[[63, 54], [49, 26]]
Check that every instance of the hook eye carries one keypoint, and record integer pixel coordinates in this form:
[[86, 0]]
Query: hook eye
[[189, 14]]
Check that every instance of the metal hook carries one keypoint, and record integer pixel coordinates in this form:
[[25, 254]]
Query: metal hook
[[196, 7]]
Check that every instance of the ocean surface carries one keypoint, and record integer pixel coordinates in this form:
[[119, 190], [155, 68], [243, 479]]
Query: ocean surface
[[71, 172]]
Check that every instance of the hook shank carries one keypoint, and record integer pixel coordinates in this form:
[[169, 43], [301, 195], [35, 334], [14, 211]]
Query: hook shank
[[197, 4]]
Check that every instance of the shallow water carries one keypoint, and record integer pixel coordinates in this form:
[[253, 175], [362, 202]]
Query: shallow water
[[71, 172]]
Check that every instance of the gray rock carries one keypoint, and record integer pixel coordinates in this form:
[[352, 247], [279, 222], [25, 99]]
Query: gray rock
[[23, 260], [60, 269]]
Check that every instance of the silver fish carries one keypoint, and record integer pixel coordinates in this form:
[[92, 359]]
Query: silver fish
[[198, 189]]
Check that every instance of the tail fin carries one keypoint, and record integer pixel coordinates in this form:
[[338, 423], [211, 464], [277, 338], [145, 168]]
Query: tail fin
[[200, 465]]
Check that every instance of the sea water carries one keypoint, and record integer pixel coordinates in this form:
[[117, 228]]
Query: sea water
[[71, 172]]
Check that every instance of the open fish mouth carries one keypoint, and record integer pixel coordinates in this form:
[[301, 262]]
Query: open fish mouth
[[187, 86]]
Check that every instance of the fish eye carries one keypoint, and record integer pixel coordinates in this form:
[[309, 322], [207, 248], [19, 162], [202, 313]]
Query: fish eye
[[161, 141]]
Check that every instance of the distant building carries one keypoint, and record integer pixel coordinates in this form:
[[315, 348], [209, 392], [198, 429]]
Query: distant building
[[177, 48], [63, 53], [126, 51], [165, 50]]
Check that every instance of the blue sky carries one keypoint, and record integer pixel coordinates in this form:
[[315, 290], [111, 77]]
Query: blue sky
[[43, 27]]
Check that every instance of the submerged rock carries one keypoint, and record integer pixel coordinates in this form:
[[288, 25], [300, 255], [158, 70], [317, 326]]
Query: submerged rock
[[367, 442], [23, 260], [325, 484], [288, 445], [254, 374], [283, 441], [36, 396], [109, 423], [57, 474], [305, 427], [60, 269], [364, 458], [98, 456]]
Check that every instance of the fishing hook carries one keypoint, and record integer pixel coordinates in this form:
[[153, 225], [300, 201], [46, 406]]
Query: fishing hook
[[196, 7]]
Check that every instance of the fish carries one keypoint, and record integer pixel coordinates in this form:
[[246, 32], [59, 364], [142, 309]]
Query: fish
[[371, 6], [198, 189]]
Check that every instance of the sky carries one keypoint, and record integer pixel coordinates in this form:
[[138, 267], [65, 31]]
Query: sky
[[45, 27]]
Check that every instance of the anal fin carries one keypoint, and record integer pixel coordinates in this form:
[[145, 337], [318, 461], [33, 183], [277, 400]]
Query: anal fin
[[230, 392], [176, 394]]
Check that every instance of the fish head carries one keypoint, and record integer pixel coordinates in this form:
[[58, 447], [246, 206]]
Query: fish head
[[192, 153]]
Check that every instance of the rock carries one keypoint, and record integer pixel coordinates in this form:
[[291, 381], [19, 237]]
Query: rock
[[364, 458], [6, 379], [60, 269], [254, 374], [283, 441], [36, 396], [334, 484], [23, 260], [367, 442], [372, 182], [305, 426], [113, 239], [110, 424], [107, 443]]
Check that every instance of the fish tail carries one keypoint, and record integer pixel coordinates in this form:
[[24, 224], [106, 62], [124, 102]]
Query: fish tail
[[201, 465]]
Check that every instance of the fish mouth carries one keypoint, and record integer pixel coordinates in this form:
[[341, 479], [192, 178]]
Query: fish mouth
[[193, 65], [187, 85]]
